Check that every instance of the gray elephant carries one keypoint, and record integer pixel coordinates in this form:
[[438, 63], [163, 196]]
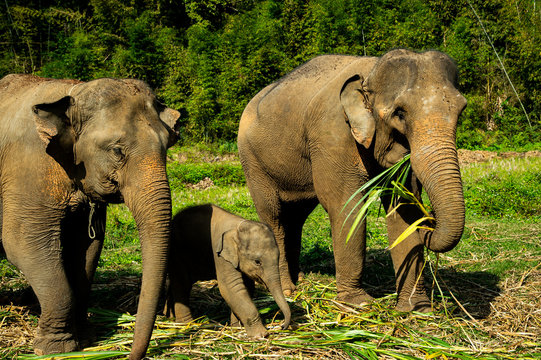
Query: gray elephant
[[322, 131], [67, 149], [208, 243]]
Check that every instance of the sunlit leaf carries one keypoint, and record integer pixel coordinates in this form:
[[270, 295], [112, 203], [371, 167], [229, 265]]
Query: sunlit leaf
[[410, 230]]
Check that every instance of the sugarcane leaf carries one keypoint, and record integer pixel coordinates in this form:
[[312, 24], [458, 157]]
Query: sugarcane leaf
[[410, 230], [363, 212], [397, 206]]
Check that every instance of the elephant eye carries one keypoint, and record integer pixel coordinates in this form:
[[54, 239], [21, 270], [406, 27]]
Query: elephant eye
[[257, 262], [400, 114], [118, 151]]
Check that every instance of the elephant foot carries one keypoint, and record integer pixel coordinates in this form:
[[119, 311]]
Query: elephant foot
[[183, 319], [50, 343], [257, 332], [417, 302], [288, 287], [180, 311], [357, 297], [86, 335]]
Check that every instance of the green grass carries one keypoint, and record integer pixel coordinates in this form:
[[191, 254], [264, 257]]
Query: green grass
[[221, 174], [494, 273], [506, 188]]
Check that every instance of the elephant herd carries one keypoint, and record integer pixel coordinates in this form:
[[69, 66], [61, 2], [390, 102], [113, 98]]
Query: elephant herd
[[68, 148]]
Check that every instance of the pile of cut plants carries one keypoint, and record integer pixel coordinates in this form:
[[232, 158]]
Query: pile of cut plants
[[322, 328]]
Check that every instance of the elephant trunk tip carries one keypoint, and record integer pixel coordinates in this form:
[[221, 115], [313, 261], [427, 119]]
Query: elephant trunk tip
[[287, 320], [275, 288], [432, 239], [137, 353]]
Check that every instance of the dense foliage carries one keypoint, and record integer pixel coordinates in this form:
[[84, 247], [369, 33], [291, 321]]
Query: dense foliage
[[208, 58]]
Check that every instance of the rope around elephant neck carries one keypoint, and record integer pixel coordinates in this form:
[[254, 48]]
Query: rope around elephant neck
[[91, 230]]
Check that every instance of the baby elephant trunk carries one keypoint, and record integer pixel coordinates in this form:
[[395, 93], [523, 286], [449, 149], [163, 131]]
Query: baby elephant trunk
[[275, 288]]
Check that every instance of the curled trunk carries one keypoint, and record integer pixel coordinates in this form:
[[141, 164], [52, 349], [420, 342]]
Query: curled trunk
[[436, 166]]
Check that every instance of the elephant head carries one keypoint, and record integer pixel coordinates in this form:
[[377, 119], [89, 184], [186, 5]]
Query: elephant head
[[409, 103], [111, 137], [251, 247]]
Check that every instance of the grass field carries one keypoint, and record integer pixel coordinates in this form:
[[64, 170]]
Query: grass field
[[486, 292]]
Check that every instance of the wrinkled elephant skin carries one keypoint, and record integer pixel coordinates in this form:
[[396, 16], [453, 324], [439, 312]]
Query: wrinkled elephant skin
[[322, 131], [67, 149], [209, 243]]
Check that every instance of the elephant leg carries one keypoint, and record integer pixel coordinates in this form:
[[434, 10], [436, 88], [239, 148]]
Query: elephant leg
[[1, 246], [250, 287], [237, 296], [35, 249], [267, 202], [182, 311], [349, 257], [235, 322], [334, 190], [286, 220], [81, 254], [292, 219], [408, 260], [178, 295]]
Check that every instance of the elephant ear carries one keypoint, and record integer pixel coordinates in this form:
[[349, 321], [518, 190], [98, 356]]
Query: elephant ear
[[353, 98], [171, 121], [169, 117], [228, 248], [51, 118], [55, 129]]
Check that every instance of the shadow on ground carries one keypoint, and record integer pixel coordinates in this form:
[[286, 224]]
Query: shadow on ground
[[118, 292], [474, 290]]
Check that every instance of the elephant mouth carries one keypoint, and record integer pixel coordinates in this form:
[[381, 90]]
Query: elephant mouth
[[103, 191], [114, 198], [259, 281]]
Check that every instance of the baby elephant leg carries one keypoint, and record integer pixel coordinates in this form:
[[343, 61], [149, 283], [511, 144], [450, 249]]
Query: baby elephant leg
[[178, 299], [238, 298]]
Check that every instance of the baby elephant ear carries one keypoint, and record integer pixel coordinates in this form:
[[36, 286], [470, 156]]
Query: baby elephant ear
[[353, 98], [228, 248]]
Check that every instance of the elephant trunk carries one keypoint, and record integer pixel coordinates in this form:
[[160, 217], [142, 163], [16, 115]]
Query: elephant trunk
[[149, 199], [275, 288], [435, 163]]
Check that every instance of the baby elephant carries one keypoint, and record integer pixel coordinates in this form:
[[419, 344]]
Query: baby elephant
[[208, 243]]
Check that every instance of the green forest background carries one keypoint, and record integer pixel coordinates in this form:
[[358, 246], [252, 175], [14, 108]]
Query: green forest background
[[208, 58]]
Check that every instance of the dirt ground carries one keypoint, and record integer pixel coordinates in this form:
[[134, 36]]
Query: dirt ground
[[476, 156]]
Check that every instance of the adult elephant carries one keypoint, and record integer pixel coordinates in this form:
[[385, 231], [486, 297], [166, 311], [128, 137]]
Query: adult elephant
[[319, 133], [68, 148]]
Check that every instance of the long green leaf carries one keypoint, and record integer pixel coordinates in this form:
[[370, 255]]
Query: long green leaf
[[413, 227], [363, 212]]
